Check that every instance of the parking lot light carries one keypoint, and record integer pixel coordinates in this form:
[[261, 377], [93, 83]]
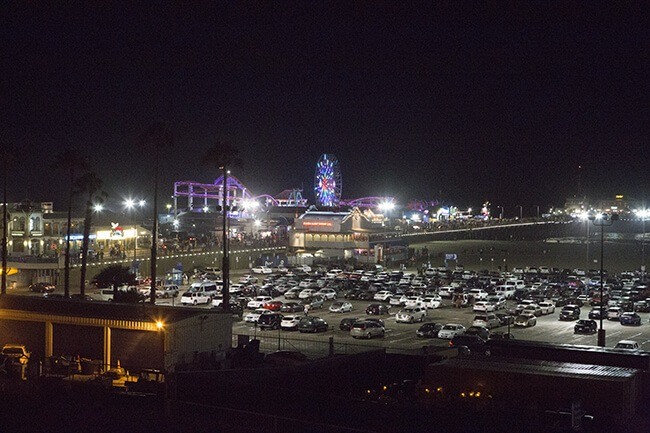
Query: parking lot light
[[602, 220]]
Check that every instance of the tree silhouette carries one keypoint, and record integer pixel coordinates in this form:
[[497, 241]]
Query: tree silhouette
[[71, 163], [155, 138], [90, 185], [7, 155]]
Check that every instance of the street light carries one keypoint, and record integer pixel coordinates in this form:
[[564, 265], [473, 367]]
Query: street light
[[130, 204], [601, 220]]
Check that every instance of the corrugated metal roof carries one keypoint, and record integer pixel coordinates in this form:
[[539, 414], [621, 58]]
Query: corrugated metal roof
[[547, 368], [100, 310]]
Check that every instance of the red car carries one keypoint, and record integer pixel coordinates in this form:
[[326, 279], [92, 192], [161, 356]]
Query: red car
[[273, 305]]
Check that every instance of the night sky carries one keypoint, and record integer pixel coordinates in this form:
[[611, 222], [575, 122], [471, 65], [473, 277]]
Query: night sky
[[460, 101]]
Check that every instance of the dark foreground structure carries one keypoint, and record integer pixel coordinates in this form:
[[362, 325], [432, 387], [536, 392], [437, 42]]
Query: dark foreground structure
[[521, 387]]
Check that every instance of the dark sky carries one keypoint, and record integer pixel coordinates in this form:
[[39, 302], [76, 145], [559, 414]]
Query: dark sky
[[463, 101]]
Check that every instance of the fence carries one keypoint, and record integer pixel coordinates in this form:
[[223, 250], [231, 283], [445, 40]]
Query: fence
[[271, 341]]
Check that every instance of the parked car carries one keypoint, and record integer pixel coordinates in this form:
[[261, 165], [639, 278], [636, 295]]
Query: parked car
[[258, 302], [42, 287], [489, 320], [273, 305], [194, 298], [470, 345], [506, 319], [614, 313], [312, 324], [261, 270], [481, 331], [432, 301], [429, 330], [597, 312], [292, 293], [168, 291], [570, 312], [254, 316], [291, 307], [378, 309], [306, 293], [526, 320], [483, 306], [346, 324], [411, 314], [367, 329], [533, 309], [340, 307], [16, 352], [584, 326], [627, 344], [630, 319], [327, 293], [499, 302], [383, 295], [270, 321], [547, 307], [313, 302], [450, 330]]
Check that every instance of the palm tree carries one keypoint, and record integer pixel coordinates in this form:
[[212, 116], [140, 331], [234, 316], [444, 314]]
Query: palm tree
[[155, 138], [224, 156], [71, 162], [7, 155], [90, 185]]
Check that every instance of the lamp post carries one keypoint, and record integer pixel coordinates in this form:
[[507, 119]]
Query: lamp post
[[602, 220], [130, 204], [521, 211]]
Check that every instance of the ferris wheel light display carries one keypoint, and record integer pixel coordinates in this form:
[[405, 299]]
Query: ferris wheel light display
[[327, 180]]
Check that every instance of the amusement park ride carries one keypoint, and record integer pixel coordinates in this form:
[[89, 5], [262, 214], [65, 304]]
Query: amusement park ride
[[327, 191]]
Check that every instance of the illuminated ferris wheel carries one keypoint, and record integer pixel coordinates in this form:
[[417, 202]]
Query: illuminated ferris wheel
[[327, 180]]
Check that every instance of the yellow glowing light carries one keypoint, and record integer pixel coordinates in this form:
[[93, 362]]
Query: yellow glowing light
[[159, 325]]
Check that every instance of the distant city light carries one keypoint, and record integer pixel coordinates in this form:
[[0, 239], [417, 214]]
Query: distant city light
[[141, 203], [257, 223], [386, 206], [98, 208], [129, 203], [206, 208]]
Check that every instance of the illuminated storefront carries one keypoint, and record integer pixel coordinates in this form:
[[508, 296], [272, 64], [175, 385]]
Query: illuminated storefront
[[338, 235]]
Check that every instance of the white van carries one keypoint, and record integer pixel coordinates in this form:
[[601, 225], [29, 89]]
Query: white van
[[208, 288], [507, 291], [517, 284], [105, 295]]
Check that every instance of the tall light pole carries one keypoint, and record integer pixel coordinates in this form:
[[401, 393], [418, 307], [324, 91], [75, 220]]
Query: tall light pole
[[225, 264], [643, 213], [585, 217], [602, 220]]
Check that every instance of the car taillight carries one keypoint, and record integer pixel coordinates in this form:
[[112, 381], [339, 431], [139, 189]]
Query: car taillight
[[451, 344]]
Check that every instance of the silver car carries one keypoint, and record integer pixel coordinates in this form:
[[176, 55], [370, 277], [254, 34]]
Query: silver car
[[367, 329]]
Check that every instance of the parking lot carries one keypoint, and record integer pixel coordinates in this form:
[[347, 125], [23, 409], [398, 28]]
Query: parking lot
[[402, 335]]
